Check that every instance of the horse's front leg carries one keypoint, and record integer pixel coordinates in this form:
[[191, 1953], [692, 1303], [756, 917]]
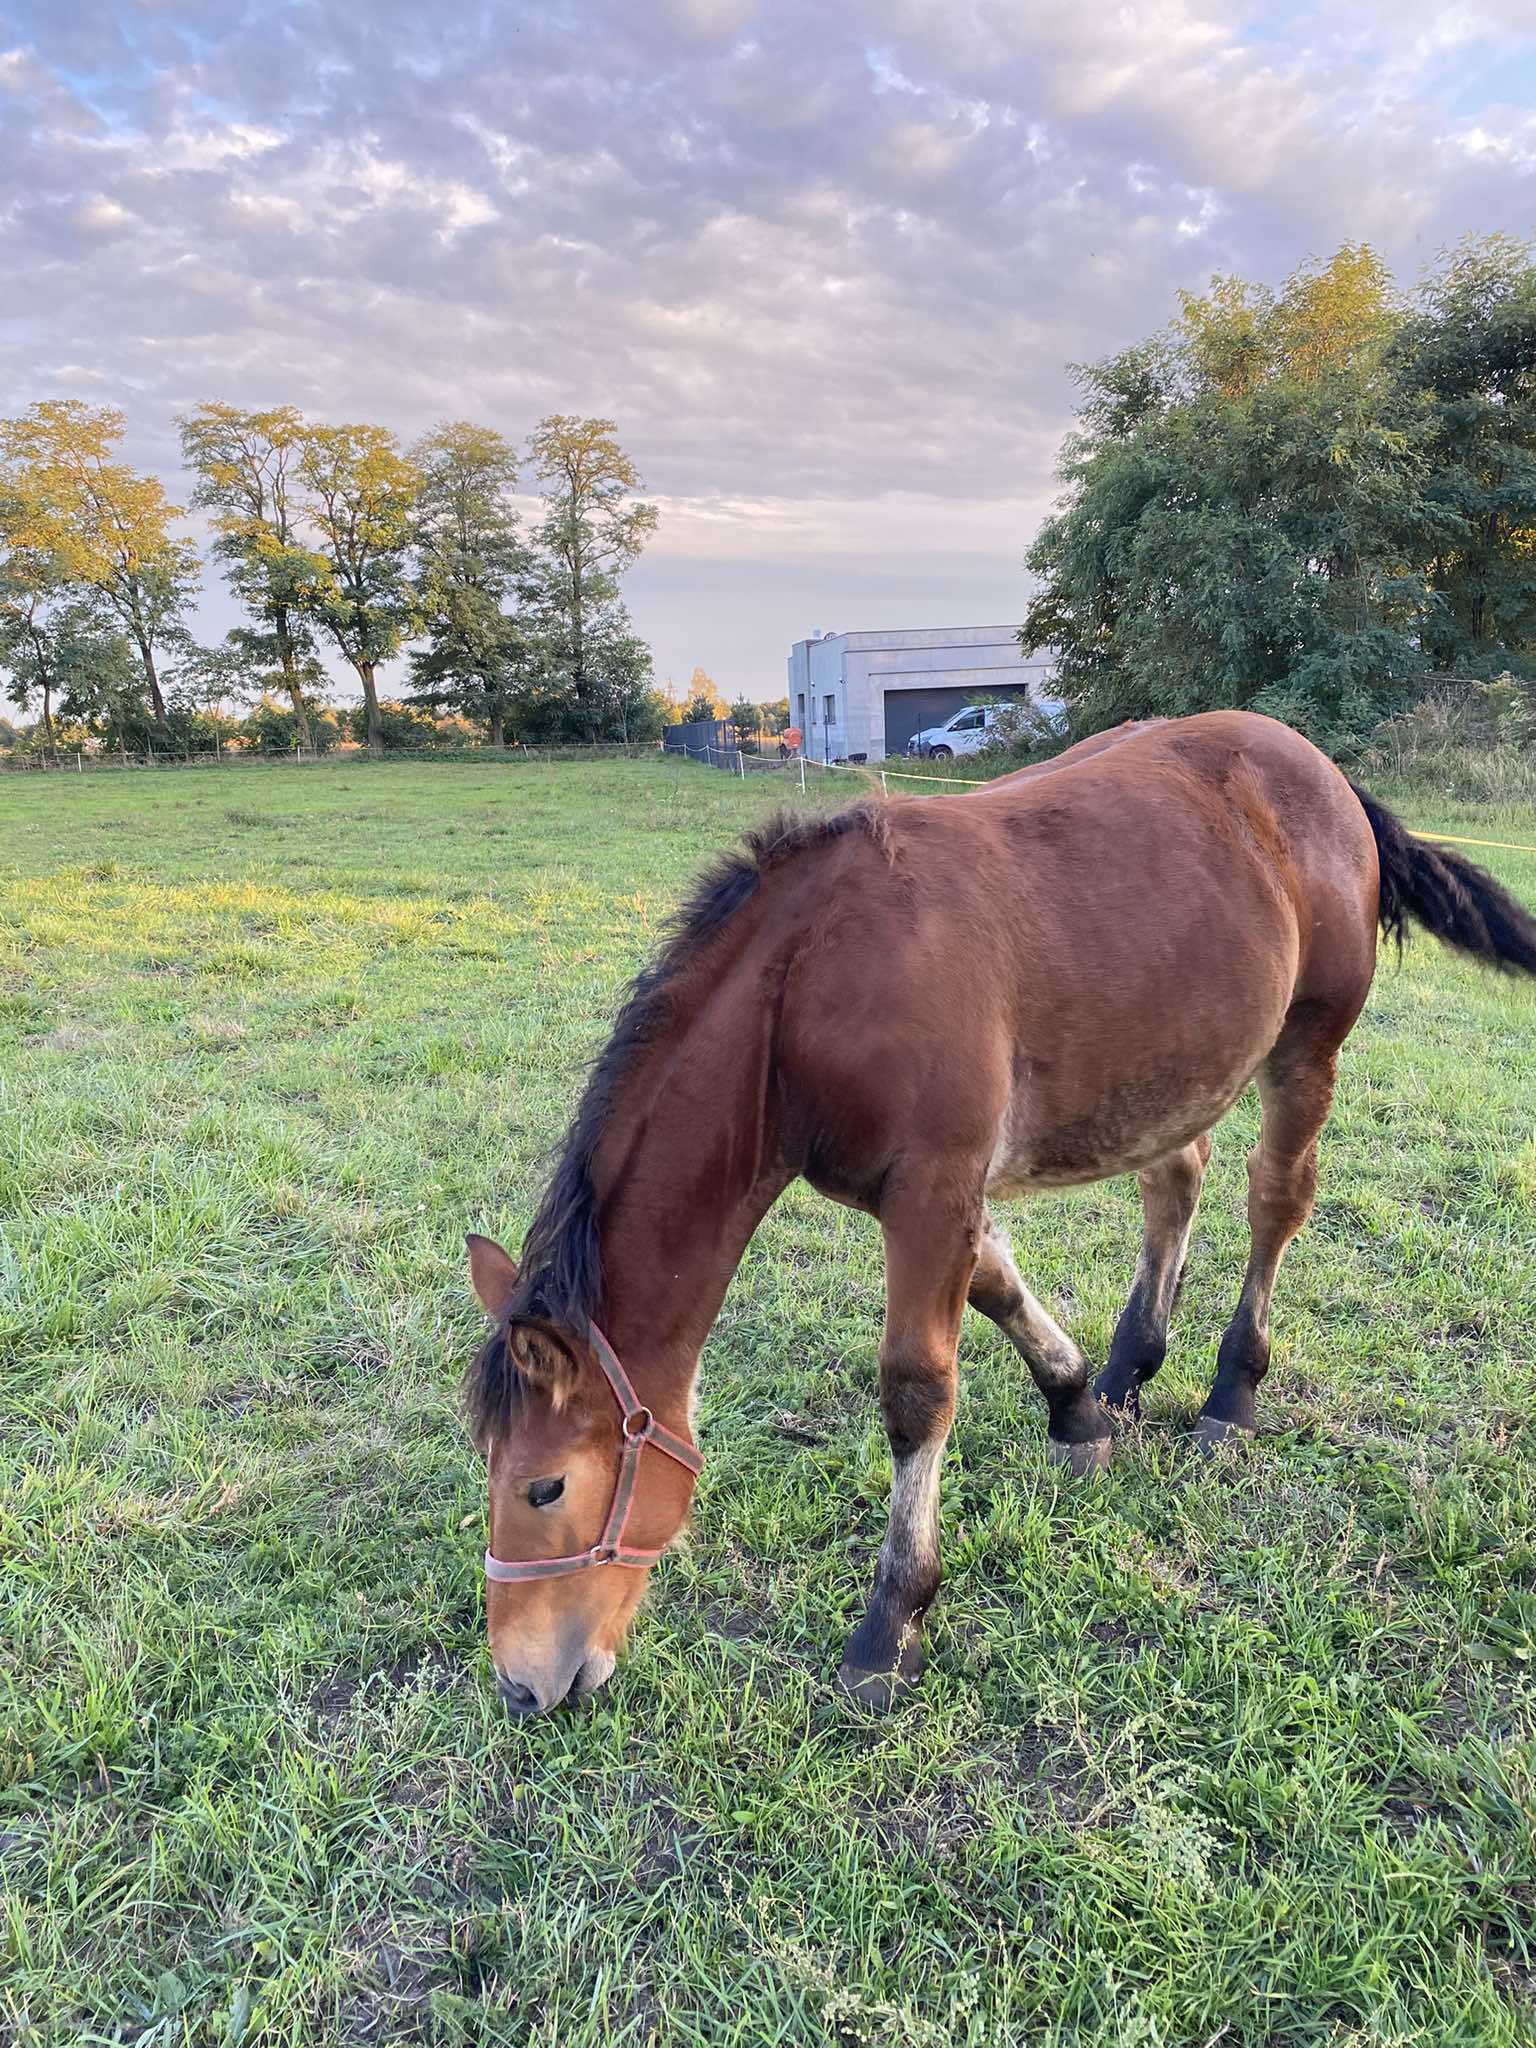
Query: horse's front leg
[[930, 1254]]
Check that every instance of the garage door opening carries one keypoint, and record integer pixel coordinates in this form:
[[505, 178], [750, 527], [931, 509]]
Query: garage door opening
[[910, 711]]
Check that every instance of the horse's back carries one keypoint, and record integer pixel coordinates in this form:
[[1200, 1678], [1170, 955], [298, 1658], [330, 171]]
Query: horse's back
[[1089, 962]]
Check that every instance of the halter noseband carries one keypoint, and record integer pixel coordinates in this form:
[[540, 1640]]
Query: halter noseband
[[638, 1428]]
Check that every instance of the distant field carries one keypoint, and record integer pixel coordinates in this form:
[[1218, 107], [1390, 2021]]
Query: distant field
[[1246, 1757]]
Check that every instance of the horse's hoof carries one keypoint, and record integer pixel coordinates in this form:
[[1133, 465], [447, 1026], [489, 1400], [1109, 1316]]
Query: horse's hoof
[[1083, 1460], [1212, 1435], [878, 1691]]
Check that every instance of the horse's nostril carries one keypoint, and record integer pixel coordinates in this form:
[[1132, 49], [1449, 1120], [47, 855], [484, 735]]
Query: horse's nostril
[[517, 1699]]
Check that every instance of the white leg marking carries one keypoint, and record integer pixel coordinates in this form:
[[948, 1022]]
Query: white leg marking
[[913, 1533], [1052, 1356]]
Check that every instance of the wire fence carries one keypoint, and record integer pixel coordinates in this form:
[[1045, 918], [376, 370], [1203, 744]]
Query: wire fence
[[738, 762], [84, 761], [733, 759]]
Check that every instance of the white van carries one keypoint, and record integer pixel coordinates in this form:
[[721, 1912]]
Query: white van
[[966, 733]]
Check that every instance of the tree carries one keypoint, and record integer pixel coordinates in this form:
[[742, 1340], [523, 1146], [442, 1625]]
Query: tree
[[55, 649], [1469, 357], [1247, 519], [747, 719], [591, 532], [359, 499], [471, 566], [776, 714], [106, 527], [247, 468], [704, 702]]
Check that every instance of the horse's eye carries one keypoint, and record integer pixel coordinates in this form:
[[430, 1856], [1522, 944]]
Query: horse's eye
[[544, 1493]]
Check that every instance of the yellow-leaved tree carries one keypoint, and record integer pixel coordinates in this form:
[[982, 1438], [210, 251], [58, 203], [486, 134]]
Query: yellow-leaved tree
[[246, 463], [107, 529], [360, 497]]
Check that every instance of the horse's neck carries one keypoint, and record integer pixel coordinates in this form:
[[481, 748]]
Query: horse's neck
[[687, 1172]]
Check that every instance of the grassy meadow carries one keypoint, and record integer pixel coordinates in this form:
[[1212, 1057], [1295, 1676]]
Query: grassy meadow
[[1243, 1756]]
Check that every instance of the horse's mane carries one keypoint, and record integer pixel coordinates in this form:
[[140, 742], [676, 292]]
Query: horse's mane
[[561, 1276]]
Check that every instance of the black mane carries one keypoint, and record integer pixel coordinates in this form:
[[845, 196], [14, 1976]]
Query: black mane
[[561, 1276]]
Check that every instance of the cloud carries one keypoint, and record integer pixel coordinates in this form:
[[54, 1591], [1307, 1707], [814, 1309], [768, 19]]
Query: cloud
[[826, 266]]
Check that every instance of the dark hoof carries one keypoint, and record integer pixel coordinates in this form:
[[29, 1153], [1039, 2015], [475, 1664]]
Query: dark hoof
[[1211, 1435], [878, 1691], [1084, 1460]]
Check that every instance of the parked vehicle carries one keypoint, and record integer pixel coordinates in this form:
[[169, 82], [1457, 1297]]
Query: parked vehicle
[[966, 733]]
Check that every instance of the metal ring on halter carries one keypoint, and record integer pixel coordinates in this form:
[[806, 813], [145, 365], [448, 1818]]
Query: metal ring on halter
[[637, 1428]]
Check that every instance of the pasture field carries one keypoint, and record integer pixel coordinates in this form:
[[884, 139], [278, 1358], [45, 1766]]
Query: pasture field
[[1243, 1755]]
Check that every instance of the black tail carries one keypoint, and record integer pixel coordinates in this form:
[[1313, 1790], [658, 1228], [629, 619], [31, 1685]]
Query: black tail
[[1453, 899]]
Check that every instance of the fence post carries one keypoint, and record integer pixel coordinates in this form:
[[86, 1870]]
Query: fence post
[[802, 775], [79, 760], [741, 763], [884, 787]]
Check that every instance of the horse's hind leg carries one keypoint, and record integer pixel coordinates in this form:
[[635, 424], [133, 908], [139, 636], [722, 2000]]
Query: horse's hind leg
[[1296, 1091], [1078, 1434], [1170, 1194], [930, 1251]]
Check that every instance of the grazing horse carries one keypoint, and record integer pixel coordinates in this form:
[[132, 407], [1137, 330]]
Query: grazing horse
[[1070, 973]]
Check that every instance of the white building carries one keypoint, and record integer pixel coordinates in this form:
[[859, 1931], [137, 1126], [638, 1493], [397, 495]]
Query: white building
[[867, 693]]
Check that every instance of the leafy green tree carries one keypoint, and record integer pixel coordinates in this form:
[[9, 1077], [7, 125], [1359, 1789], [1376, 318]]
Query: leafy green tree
[[107, 528], [104, 693], [1469, 356], [247, 465], [55, 650], [359, 500], [592, 530], [746, 718], [472, 570], [1247, 519]]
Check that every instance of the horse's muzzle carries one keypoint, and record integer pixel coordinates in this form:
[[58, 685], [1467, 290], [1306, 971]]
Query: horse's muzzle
[[519, 1700]]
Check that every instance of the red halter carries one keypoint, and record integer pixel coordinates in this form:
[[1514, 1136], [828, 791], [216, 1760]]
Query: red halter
[[639, 1428]]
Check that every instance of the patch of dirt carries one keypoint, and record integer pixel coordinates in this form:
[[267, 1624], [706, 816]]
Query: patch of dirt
[[733, 1623], [396, 1968], [434, 1670], [936, 1823]]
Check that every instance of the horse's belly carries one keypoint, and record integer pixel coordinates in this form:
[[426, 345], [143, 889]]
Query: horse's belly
[[1045, 1142]]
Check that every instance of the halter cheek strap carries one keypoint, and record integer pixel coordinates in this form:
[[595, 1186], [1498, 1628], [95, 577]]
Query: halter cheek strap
[[639, 1427]]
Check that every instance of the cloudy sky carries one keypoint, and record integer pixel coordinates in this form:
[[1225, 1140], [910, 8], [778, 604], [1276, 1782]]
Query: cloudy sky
[[826, 264]]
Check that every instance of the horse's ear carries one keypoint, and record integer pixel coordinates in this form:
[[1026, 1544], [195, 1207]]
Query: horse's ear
[[543, 1359], [492, 1273]]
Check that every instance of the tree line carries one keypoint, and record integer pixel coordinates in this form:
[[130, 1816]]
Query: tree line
[[330, 538], [1311, 500]]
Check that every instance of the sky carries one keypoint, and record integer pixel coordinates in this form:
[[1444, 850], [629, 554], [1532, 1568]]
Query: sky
[[827, 265]]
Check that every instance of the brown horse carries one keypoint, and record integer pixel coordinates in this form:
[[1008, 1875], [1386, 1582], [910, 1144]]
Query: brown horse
[[1069, 974]]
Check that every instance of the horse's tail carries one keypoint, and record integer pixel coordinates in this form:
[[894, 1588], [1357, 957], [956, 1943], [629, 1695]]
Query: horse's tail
[[1453, 899]]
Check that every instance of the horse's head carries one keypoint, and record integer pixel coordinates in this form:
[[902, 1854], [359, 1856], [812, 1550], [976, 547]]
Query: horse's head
[[586, 1490]]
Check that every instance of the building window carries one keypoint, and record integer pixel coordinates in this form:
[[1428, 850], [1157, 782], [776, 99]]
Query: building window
[[828, 708], [800, 707]]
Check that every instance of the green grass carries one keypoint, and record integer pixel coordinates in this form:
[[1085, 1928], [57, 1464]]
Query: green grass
[[1247, 1756]]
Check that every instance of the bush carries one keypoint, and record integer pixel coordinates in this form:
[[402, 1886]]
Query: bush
[[1474, 741], [272, 727], [1024, 731], [404, 726]]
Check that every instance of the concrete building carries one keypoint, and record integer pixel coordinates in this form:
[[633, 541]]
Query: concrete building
[[867, 693]]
